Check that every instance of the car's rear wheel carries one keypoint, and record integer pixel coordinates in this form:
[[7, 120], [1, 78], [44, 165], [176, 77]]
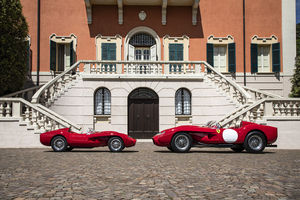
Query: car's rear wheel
[[115, 144], [59, 144], [238, 148], [181, 142], [255, 142]]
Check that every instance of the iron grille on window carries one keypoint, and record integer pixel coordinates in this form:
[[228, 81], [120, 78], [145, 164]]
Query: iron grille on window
[[142, 40], [182, 102], [102, 102]]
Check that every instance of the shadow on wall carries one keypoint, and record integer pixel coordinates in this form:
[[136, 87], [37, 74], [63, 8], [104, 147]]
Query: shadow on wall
[[179, 21]]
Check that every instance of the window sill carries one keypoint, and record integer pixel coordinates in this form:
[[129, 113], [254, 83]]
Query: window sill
[[183, 119], [102, 118]]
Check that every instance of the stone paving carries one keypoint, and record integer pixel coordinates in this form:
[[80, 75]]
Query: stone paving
[[149, 172]]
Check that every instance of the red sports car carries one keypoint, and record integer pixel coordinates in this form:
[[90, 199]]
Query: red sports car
[[65, 140], [250, 136]]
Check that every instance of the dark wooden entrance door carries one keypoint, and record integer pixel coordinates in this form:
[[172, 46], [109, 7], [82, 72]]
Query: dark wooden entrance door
[[143, 113]]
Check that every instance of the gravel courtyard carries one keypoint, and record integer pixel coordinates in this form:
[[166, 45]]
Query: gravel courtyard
[[149, 172]]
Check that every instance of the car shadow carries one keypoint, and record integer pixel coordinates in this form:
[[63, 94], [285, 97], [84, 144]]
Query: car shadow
[[92, 151], [214, 152]]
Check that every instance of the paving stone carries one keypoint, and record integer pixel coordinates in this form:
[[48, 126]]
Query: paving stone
[[148, 172]]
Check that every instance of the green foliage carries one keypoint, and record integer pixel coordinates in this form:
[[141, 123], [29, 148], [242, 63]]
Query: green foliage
[[298, 39], [13, 48], [296, 79]]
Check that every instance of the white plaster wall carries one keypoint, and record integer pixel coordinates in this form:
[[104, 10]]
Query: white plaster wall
[[267, 82], [288, 133], [288, 35], [14, 136], [77, 103]]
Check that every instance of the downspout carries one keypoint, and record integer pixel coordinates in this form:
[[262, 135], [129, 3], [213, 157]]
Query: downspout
[[38, 43], [244, 46]]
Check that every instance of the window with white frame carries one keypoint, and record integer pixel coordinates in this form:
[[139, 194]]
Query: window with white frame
[[183, 102], [62, 52], [263, 58], [220, 58], [102, 104]]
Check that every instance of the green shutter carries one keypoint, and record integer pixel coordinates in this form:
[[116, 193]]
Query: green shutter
[[231, 58], [210, 55], [108, 51], [104, 49], [276, 57], [254, 67], [52, 55], [72, 60]]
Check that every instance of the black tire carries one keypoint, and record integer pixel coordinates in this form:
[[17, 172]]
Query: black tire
[[170, 148], [69, 148], [115, 144], [255, 142], [59, 144], [181, 142], [238, 148]]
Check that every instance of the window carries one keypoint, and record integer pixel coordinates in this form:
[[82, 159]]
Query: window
[[102, 102], [263, 58], [182, 102], [108, 51], [62, 52], [265, 54], [220, 58], [220, 53], [175, 54]]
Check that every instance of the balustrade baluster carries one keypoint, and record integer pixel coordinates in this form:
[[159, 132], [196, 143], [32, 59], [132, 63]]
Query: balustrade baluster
[[276, 111], [42, 123], [34, 120], [49, 125], [27, 114], [93, 71], [1, 110], [289, 108], [251, 116]]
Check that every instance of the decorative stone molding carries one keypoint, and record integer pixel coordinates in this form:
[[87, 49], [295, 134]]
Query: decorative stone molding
[[164, 12], [88, 6], [220, 40], [142, 29], [178, 40], [195, 12], [65, 39], [264, 40], [120, 11], [142, 15], [108, 39]]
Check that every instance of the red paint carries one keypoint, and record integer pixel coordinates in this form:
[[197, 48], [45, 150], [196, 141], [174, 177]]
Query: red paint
[[97, 139]]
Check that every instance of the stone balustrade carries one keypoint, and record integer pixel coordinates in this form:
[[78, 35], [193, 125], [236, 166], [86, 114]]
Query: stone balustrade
[[258, 94], [34, 117], [55, 87], [260, 111], [25, 94]]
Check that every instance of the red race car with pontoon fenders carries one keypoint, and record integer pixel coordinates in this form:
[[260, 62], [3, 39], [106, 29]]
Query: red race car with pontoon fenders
[[250, 136], [65, 140]]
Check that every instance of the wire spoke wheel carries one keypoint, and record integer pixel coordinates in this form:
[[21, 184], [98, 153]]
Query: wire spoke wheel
[[181, 142], [115, 144]]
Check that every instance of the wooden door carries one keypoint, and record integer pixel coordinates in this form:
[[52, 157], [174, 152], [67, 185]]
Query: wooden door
[[143, 118]]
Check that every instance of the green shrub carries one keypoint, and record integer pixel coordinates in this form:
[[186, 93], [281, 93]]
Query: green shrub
[[13, 48], [295, 92]]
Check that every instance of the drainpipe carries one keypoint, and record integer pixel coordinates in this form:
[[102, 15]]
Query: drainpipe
[[244, 42], [38, 43]]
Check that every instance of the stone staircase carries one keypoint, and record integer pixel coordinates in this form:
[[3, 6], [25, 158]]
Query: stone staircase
[[57, 103]]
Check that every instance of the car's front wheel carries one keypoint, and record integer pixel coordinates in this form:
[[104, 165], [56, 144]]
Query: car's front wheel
[[59, 144], [181, 142], [255, 142], [115, 144]]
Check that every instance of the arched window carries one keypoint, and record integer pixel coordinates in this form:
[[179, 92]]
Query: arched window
[[183, 102], [102, 102]]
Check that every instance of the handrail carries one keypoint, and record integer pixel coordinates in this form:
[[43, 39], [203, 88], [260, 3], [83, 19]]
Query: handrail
[[56, 117], [22, 91], [266, 94], [42, 89]]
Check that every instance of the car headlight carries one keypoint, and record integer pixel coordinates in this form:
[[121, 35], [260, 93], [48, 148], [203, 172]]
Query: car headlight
[[161, 133]]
